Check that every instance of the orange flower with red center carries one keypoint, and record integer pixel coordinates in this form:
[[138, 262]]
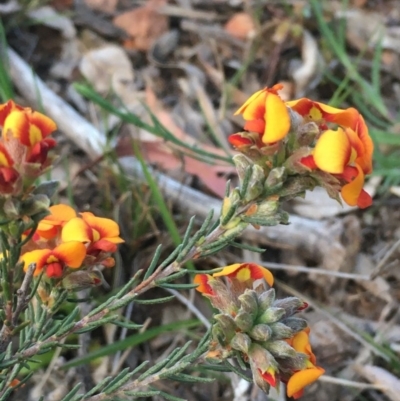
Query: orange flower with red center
[[49, 226], [321, 113], [68, 254], [266, 114], [101, 234], [342, 153], [302, 378], [244, 272], [29, 126]]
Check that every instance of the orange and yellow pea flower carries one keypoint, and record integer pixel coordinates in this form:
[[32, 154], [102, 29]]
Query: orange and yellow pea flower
[[266, 114], [68, 254], [349, 119], [50, 225], [339, 152], [311, 372], [29, 126], [102, 234], [243, 272], [246, 271]]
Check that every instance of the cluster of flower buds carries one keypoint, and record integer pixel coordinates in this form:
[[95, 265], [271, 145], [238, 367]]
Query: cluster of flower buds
[[70, 247], [24, 147], [258, 329], [304, 144]]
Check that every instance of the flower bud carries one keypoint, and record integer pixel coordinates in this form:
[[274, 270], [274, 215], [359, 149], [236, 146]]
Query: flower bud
[[226, 324], [249, 302], [263, 366], [266, 299], [82, 279], [271, 315], [12, 208], [244, 321], [36, 204], [260, 332], [290, 304], [295, 186], [275, 179], [242, 164], [267, 214], [295, 323], [280, 349], [258, 379], [255, 185], [241, 342], [280, 331]]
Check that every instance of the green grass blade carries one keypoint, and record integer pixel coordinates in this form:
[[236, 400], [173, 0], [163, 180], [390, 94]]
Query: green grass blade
[[131, 341]]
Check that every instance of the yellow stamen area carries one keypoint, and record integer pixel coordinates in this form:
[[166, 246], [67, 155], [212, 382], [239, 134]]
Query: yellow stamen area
[[243, 274], [3, 160], [315, 114], [35, 135], [51, 259], [96, 235]]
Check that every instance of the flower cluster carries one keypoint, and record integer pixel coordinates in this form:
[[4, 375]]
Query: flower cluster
[[64, 242], [24, 146], [259, 329], [308, 138]]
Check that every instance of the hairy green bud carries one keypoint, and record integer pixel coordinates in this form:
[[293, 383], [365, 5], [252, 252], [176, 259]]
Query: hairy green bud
[[241, 342], [271, 315], [244, 321], [280, 349], [249, 302], [266, 299], [280, 331], [261, 332]]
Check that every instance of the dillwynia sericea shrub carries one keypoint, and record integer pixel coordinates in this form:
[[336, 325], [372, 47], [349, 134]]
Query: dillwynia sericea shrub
[[50, 252]]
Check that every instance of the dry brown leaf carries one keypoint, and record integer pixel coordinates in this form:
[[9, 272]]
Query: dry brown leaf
[[163, 156], [143, 25], [105, 6], [241, 26], [106, 68]]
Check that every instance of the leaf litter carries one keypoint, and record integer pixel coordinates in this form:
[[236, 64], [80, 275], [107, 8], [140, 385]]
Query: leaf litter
[[192, 64]]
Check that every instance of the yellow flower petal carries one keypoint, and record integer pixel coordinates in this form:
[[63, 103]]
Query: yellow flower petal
[[254, 106], [351, 191], [76, 230], [332, 151], [228, 270], [72, 253], [277, 119], [17, 124], [37, 256], [303, 378]]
